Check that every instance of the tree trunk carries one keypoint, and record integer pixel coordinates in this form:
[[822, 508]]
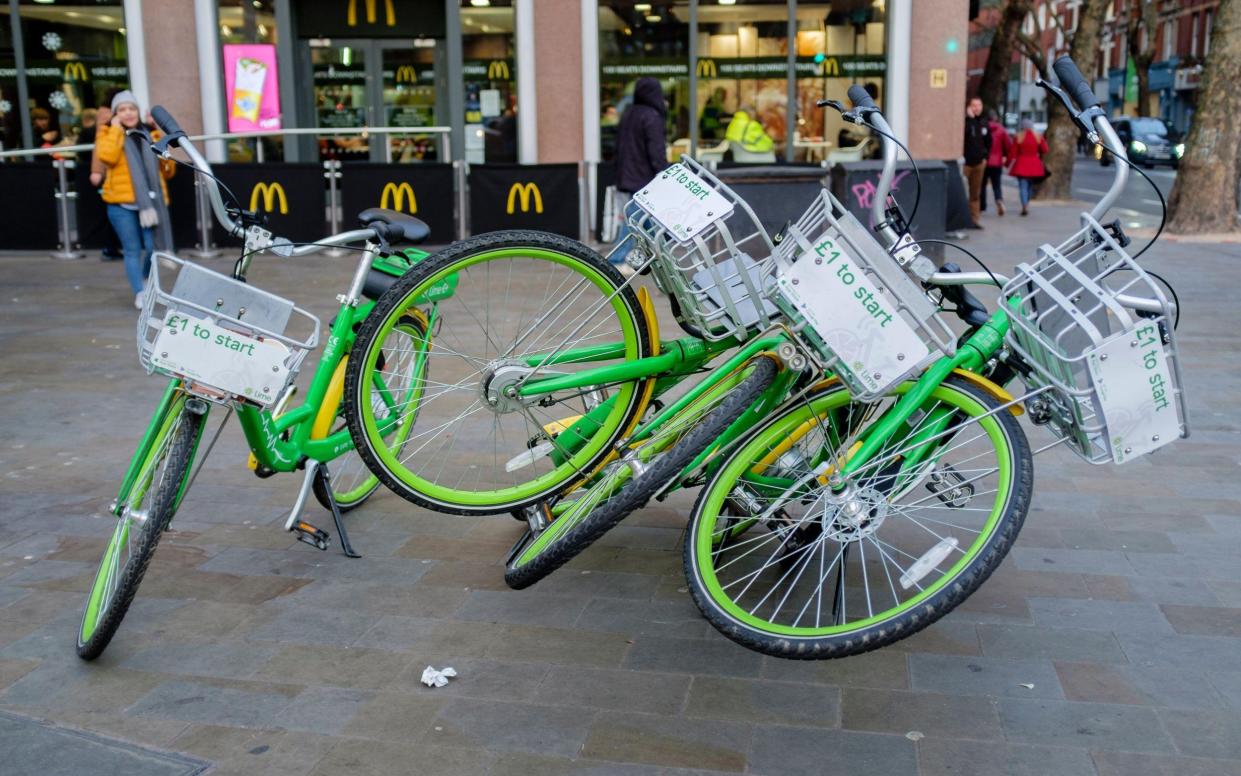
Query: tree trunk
[[1142, 65], [1062, 133], [1204, 197], [993, 88]]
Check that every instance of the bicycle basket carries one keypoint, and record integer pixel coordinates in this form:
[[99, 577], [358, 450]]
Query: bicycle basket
[[852, 306], [225, 338], [706, 249], [1108, 379]]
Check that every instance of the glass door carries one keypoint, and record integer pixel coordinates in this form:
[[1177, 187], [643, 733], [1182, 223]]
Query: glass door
[[341, 94], [408, 97]]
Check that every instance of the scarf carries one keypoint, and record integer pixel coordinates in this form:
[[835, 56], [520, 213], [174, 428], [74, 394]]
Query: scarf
[[144, 175]]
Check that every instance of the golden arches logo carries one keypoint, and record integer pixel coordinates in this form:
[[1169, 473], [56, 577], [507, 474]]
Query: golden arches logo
[[351, 13], [76, 71], [498, 70], [406, 74], [708, 69], [271, 193], [829, 67], [400, 193], [524, 192]]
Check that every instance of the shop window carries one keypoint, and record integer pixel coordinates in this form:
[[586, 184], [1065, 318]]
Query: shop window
[[489, 68], [249, 22], [838, 45], [643, 39], [75, 59]]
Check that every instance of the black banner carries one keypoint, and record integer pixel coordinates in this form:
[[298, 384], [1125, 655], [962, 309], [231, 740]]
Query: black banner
[[853, 183], [422, 190], [27, 199], [514, 196], [94, 230], [293, 196]]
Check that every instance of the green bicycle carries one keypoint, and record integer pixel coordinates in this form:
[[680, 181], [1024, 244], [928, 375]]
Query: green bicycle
[[223, 341], [841, 525]]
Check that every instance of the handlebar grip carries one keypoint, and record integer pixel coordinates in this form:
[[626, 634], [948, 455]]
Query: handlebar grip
[[165, 121], [860, 97], [1075, 83]]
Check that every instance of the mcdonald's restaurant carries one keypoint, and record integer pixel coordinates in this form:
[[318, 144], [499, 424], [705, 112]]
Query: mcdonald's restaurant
[[455, 88]]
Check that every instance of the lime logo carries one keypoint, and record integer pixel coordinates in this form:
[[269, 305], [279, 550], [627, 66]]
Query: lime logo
[[271, 194], [525, 192], [707, 69], [498, 71], [351, 13], [76, 71], [399, 194]]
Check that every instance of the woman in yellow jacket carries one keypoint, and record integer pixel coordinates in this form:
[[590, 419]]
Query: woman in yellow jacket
[[134, 189]]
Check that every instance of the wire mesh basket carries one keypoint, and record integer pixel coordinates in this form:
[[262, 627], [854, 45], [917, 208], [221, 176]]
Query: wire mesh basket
[[852, 306], [706, 249], [1107, 378], [228, 340]]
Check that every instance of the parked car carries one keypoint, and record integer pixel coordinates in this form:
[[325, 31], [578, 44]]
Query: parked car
[[1149, 141]]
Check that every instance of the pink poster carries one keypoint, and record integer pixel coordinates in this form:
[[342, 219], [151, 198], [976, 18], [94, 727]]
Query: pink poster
[[251, 87]]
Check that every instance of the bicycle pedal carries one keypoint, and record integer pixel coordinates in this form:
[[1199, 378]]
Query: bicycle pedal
[[315, 537]]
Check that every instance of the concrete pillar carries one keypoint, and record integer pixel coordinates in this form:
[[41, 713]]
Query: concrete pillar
[[558, 85], [937, 115], [170, 43]]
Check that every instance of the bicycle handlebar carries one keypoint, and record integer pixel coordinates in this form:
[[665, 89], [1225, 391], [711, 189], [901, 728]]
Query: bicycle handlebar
[[175, 135], [165, 121], [860, 97], [1074, 83]]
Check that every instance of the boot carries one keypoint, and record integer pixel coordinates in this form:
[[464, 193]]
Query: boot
[[999, 207]]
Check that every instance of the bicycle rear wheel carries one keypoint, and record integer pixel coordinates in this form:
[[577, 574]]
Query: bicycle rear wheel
[[152, 500], [510, 308], [629, 482], [783, 563]]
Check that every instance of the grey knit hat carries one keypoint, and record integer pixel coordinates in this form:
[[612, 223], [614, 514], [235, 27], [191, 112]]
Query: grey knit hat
[[123, 97]]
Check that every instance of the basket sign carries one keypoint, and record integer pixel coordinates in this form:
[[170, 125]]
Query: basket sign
[[855, 317], [682, 202], [203, 352], [1135, 391]]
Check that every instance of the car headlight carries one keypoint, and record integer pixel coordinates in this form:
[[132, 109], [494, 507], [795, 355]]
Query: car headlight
[[1138, 147], [1179, 149]]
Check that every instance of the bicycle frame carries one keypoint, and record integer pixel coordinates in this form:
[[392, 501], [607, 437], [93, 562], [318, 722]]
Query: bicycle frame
[[282, 443]]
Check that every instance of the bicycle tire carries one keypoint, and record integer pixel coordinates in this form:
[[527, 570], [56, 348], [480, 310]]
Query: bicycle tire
[[638, 490], [182, 440], [459, 257], [905, 620]]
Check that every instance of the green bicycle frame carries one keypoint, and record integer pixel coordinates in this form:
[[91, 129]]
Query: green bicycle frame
[[265, 433]]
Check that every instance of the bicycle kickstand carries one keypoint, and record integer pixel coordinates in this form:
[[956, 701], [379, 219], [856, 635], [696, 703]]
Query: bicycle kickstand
[[317, 537], [326, 483]]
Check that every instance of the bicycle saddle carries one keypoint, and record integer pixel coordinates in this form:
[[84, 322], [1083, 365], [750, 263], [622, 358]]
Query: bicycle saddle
[[394, 226]]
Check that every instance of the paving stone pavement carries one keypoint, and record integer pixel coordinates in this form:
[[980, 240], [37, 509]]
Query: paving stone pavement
[[1121, 603]]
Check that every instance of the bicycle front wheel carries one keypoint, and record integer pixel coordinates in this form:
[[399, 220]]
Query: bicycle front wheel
[[628, 483], [152, 500], [506, 309], [786, 564]]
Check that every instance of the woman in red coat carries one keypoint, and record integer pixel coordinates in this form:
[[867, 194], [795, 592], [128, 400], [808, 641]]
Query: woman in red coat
[[1027, 165]]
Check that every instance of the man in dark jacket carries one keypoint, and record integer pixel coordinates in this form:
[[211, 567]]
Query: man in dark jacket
[[977, 149], [640, 147], [640, 142]]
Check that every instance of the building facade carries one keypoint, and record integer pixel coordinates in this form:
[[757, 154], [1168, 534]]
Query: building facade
[[525, 81], [1181, 42]]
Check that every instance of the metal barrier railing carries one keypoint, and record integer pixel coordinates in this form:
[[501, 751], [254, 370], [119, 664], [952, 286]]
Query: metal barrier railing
[[64, 195]]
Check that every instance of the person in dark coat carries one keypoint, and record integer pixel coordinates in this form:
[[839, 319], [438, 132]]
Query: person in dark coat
[[641, 148]]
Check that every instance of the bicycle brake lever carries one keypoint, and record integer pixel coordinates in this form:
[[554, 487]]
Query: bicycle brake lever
[[835, 105], [1084, 119]]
